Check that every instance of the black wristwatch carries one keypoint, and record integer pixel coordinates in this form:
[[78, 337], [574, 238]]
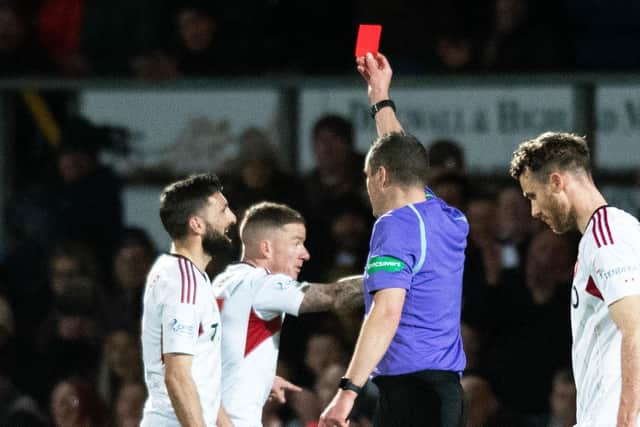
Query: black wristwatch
[[380, 105], [346, 384]]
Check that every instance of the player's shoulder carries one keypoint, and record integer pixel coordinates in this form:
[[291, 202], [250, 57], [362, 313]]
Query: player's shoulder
[[610, 226], [238, 275]]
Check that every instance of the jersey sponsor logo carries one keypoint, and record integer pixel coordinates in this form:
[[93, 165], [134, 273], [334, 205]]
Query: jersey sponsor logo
[[604, 275], [181, 328], [575, 298], [384, 263]]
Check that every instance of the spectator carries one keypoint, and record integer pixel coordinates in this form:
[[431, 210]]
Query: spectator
[[452, 187], [483, 407], [337, 179], [521, 39], [562, 401], [59, 28], [88, 203], [531, 326], [20, 53], [445, 155], [75, 403], [131, 263], [129, 404], [201, 47], [69, 335], [121, 363], [116, 33]]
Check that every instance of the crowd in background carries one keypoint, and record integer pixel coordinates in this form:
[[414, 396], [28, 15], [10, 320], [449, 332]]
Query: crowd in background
[[73, 276], [163, 39], [72, 272]]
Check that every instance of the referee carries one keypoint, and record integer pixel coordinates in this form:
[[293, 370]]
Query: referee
[[410, 340]]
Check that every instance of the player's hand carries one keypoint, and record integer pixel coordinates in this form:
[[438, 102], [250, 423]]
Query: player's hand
[[279, 387], [377, 72], [336, 414]]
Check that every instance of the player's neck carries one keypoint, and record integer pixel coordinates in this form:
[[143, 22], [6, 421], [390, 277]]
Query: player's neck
[[586, 201], [192, 251]]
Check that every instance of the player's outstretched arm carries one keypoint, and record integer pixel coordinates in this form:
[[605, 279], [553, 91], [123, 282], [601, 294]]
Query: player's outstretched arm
[[182, 389], [376, 71], [344, 294], [626, 314]]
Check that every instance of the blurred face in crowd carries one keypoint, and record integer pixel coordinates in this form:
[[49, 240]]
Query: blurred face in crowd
[[348, 230], [287, 252], [64, 270], [122, 353], [513, 218], [331, 151], [509, 14], [482, 221], [196, 29], [548, 202], [218, 218], [74, 165], [322, 351], [548, 262], [12, 30], [563, 401], [65, 405], [131, 265], [129, 404]]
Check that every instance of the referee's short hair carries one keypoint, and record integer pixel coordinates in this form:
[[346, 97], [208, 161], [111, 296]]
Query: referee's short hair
[[182, 199], [403, 156]]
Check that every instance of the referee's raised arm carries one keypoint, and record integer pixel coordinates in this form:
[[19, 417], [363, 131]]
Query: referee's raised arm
[[376, 71]]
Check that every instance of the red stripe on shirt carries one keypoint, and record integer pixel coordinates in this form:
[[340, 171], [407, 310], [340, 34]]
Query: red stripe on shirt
[[596, 220], [602, 236], [593, 289], [606, 223], [195, 285], [188, 300], [259, 330], [182, 280]]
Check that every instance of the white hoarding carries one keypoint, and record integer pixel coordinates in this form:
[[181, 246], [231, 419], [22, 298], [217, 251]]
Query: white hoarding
[[618, 127], [488, 122]]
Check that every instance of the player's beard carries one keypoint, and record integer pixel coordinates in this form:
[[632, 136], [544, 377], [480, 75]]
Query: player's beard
[[214, 242], [561, 221]]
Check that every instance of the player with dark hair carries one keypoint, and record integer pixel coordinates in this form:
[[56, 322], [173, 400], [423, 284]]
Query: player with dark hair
[[181, 321]]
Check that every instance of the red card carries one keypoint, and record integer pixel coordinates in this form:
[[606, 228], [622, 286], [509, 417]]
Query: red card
[[368, 39]]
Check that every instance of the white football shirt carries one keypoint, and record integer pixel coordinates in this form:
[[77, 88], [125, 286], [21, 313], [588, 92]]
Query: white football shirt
[[607, 270], [180, 315], [252, 304]]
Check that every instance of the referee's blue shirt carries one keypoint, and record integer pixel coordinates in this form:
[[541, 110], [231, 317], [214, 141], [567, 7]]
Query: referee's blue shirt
[[420, 248]]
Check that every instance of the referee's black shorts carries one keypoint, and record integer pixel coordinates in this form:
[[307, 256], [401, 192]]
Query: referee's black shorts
[[426, 398]]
